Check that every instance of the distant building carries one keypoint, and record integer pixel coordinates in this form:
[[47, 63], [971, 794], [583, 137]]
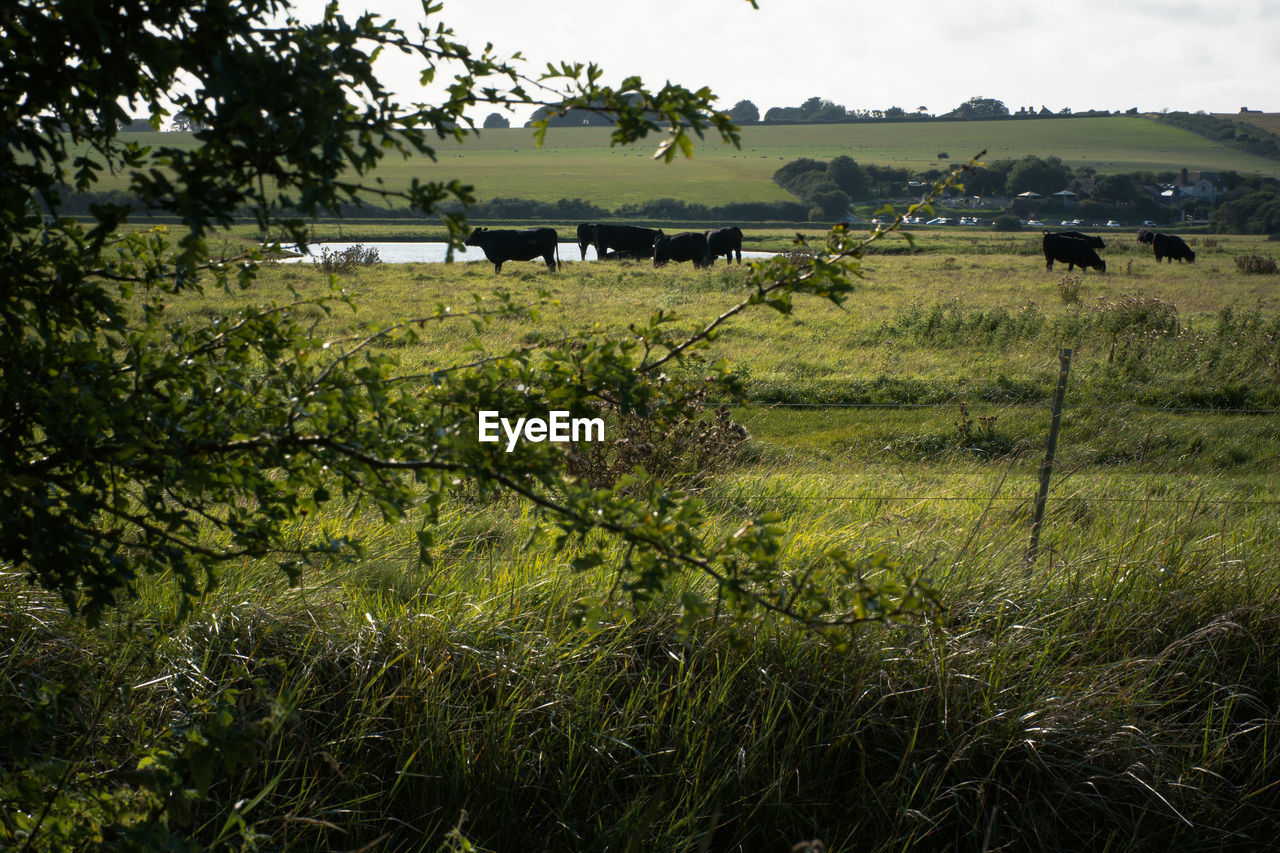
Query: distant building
[[1205, 185]]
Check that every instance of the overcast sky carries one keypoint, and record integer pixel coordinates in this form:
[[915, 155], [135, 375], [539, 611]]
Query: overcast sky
[[1095, 54]]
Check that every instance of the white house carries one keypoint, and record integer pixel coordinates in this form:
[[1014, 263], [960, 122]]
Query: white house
[[1205, 185]]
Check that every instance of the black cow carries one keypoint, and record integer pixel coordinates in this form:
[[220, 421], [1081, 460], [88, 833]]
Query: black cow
[[1091, 239], [725, 241], [689, 246], [625, 240], [1171, 246], [1146, 236], [1072, 251], [586, 236], [502, 246]]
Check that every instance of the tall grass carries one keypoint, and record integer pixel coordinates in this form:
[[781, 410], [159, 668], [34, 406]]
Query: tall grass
[[1121, 695]]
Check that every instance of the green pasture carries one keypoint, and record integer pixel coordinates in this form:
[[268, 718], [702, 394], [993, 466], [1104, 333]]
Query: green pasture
[[872, 392], [1120, 693], [1113, 144], [579, 163], [956, 274]]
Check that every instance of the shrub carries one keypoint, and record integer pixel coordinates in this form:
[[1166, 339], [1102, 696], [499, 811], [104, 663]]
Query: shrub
[[946, 324], [503, 207], [346, 260], [664, 208], [1069, 289], [829, 203], [1255, 213], [759, 211], [691, 450], [1006, 222], [1140, 314], [1255, 264]]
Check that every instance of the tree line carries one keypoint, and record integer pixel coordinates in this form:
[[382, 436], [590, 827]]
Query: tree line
[[814, 110], [82, 204], [828, 189], [817, 110]]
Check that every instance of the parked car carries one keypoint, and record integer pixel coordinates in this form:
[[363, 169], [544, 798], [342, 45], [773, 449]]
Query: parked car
[[1147, 223], [1111, 223], [941, 220]]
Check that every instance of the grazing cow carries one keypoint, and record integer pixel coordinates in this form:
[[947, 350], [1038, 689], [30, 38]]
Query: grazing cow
[[725, 241], [586, 236], [1171, 246], [689, 246], [1146, 236], [502, 246], [1072, 251], [1092, 239], [627, 241]]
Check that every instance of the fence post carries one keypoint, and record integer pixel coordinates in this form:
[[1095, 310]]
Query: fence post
[[1046, 468]]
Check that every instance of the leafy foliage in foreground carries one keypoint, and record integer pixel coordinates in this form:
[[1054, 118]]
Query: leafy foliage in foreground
[[137, 444], [142, 444]]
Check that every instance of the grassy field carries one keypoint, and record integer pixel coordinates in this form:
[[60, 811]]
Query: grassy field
[[1108, 144], [1120, 694], [578, 163]]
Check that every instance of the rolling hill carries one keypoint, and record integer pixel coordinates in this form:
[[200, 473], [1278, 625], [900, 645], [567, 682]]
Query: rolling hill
[[579, 163]]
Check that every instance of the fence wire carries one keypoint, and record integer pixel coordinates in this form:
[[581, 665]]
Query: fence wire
[[1069, 460], [1043, 404]]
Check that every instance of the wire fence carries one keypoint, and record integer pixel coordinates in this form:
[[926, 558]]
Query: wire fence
[[1039, 404], [977, 417], [878, 498]]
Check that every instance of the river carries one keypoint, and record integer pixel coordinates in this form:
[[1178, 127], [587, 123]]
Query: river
[[434, 253]]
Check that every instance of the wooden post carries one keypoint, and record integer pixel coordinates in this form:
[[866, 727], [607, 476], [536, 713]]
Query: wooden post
[[1046, 468]]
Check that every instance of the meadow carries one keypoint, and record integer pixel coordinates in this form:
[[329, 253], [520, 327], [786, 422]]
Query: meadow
[[580, 163], [1119, 693]]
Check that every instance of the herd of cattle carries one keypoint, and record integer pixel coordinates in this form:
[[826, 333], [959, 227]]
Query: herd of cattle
[[703, 248], [610, 242], [1081, 250]]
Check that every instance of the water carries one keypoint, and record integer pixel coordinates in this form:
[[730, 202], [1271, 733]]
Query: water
[[434, 253]]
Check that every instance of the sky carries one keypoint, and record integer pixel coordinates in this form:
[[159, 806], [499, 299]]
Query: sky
[[1212, 55]]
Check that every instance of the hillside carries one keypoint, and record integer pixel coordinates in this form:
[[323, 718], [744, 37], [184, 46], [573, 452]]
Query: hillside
[[577, 162], [1267, 121]]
